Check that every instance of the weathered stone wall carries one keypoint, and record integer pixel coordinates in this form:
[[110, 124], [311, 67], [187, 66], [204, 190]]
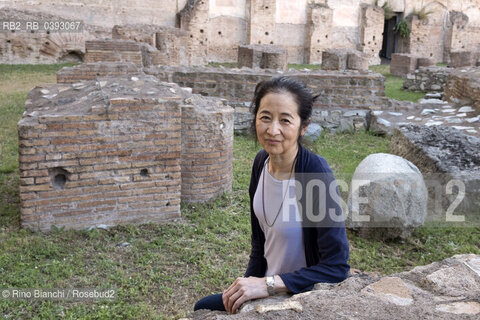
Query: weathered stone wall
[[207, 148], [261, 24], [111, 151], [194, 20], [427, 36], [344, 96], [427, 79], [105, 13], [371, 32], [337, 90], [113, 51], [217, 27], [40, 47], [90, 71], [171, 43], [319, 32], [463, 87]]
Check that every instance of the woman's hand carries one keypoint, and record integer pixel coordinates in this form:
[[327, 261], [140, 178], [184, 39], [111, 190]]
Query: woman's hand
[[242, 290]]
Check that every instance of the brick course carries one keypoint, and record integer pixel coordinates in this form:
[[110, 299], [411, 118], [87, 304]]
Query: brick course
[[110, 151]]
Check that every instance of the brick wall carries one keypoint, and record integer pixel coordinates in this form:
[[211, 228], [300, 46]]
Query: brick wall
[[110, 152], [113, 51], [318, 33], [463, 87], [89, 71], [337, 89], [207, 148], [371, 32]]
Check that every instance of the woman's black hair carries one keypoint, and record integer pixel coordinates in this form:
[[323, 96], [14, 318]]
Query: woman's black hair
[[303, 97]]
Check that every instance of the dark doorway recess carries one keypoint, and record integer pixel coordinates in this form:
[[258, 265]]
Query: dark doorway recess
[[390, 37]]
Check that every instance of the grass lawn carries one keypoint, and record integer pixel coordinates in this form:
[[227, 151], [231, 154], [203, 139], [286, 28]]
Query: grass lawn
[[394, 85], [167, 267]]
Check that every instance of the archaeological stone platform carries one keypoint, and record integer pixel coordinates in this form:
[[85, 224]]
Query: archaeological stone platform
[[123, 149]]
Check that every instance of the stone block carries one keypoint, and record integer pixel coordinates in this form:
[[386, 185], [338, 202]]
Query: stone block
[[263, 56], [424, 62], [334, 59], [381, 186], [402, 64], [357, 61], [460, 59], [274, 60]]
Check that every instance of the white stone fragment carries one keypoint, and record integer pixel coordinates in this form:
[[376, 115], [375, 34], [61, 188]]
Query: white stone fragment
[[384, 122], [418, 119], [103, 83], [474, 265], [475, 119], [461, 114], [466, 109], [454, 120], [396, 114], [462, 128], [410, 117], [44, 91], [187, 89], [284, 305], [433, 123], [447, 107], [472, 131], [50, 96], [470, 307], [134, 78], [449, 110], [433, 95], [427, 111], [432, 101], [377, 112]]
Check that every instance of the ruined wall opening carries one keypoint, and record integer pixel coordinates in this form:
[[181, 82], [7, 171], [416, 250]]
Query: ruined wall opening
[[72, 56], [390, 37], [59, 177]]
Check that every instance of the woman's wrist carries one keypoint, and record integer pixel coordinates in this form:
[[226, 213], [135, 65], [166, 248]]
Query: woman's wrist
[[280, 285]]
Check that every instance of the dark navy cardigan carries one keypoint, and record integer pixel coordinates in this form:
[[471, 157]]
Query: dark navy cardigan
[[325, 243]]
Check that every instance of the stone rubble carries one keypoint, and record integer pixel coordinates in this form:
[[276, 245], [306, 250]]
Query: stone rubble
[[443, 290]]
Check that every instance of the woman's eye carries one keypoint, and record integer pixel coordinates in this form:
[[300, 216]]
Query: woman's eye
[[286, 120]]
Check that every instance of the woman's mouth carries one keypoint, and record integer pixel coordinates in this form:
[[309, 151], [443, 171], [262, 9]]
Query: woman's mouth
[[272, 141]]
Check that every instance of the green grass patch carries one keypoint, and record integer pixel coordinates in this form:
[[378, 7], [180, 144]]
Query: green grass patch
[[298, 66], [168, 267], [223, 64], [394, 85]]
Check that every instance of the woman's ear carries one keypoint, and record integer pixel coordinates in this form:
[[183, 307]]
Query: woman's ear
[[304, 128]]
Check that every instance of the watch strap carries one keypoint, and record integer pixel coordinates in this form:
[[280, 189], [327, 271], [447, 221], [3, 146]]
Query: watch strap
[[270, 280]]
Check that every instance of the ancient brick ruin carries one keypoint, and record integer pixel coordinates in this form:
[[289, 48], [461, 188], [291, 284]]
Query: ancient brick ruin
[[463, 87], [262, 56], [345, 98], [123, 149], [196, 32]]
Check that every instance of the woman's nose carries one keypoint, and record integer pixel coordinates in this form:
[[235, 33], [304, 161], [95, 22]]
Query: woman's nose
[[273, 128]]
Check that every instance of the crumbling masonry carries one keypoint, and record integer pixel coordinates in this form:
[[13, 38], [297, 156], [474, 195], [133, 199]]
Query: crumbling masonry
[[117, 150]]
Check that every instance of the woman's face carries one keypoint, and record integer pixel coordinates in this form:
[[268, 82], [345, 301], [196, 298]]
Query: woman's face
[[277, 123]]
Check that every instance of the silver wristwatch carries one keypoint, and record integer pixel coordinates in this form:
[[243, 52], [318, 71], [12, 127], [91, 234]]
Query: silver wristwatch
[[270, 280]]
